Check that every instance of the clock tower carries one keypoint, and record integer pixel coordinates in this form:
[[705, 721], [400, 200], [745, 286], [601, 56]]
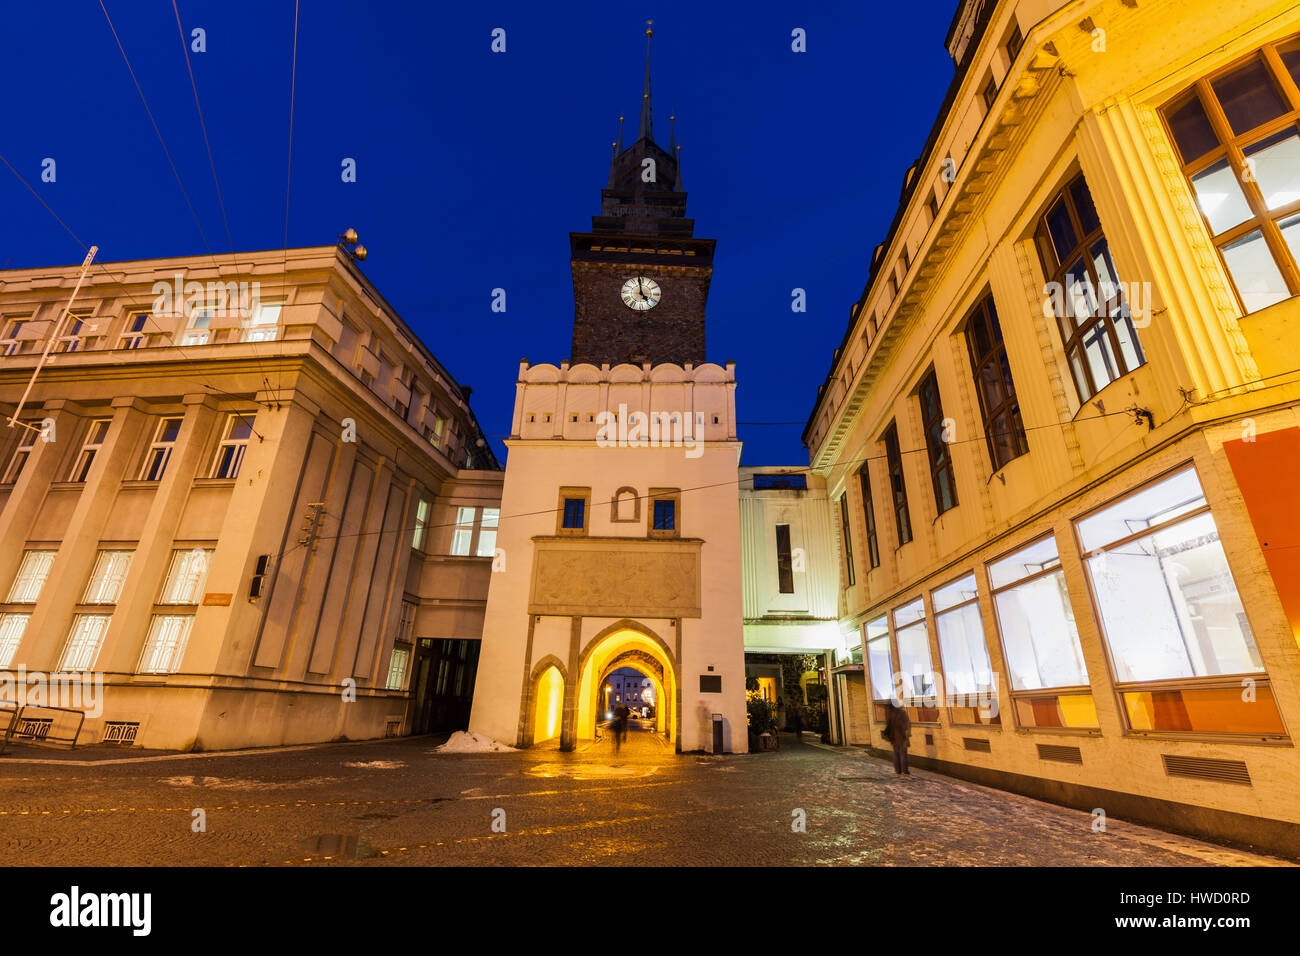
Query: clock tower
[[640, 276]]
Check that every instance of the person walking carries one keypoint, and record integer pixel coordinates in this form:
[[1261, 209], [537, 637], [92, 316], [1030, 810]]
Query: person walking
[[797, 720], [898, 731]]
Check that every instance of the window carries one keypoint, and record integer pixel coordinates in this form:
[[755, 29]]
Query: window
[[185, 576], [234, 442], [990, 93], [1097, 331], [914, 665], [197, 331], [999, 408], [12, 344], [1238, 135], [165, 645], [869, 511], [84, 641], [936, 444], [406, 621], [70, 340], [263, 324], [27, 432], [665, 503], [1015, 40], [1039, 638], [107, 578], [933, 206], [574, 513], [95, 436], [421, 525], [489, 518], [969, 684], [1170, 611], [133, 334], [462, 535], [397, 668], [784, 560], [160, 452], [12, 627], [846, 535], [897, 485], [30, 579]]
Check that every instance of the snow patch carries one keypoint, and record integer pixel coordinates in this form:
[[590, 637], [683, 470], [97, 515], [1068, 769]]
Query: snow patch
[[464, 742], [375, 764]]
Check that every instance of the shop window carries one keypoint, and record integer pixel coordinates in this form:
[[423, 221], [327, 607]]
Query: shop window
[[880, 661], [915, 668], [1039, 639], [969, 686], [1170, 612]]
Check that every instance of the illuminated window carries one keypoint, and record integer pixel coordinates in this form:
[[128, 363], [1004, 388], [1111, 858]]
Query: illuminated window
[[1039, 638], [1170, 611], [1101, 343], [880, 661], [85, 639], [107, 578], [397, 668], [967, 674], [160, 452], [487, 532], [12, 627], [29, 581], [264, 323], [1238, 135], [914, 662], [234, 442], [197, 331], [186, 576], [463, 535], [421, 525], [165, 646], [95, 436]]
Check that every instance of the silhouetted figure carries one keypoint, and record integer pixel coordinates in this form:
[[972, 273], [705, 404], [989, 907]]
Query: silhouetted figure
[[898, 731], [620, 725], [798, 724]]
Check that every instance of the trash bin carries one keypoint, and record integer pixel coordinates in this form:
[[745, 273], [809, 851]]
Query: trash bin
[[717, 734]]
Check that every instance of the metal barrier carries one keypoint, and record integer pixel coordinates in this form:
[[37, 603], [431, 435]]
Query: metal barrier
[[37, 729]]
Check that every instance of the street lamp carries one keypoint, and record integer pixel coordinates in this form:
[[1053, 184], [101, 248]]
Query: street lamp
[[348, 243]]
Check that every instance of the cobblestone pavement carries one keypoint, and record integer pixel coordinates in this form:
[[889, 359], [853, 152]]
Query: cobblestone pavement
[[398, 802]]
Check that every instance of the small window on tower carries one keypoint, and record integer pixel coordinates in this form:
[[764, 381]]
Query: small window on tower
[[664, 504], [572, 518]]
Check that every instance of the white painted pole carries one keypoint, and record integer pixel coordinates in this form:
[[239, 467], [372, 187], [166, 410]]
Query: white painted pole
[[58, 328]]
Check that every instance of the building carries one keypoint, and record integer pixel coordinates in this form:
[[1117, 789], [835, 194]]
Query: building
[[243, 492], [791, 562], [623, 548], [1057, 425]]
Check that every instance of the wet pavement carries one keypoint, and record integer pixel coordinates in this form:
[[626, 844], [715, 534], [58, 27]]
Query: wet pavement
[[398, 802]]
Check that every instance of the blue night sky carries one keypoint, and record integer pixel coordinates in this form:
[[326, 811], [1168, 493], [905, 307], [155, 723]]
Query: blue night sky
[[473, 167]]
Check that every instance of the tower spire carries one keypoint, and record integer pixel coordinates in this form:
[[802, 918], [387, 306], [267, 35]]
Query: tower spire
[[647, 125]]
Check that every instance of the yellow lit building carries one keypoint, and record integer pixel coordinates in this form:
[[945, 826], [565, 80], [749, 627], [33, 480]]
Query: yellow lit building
[[1058, 431], [247, 495]]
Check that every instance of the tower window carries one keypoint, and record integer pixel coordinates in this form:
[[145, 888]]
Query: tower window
[[663, 512], [572, 511]]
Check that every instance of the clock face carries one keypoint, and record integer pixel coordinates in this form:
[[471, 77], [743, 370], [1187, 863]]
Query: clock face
[[641, 293]]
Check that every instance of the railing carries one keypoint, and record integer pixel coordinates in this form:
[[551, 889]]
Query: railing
[[23, 725]]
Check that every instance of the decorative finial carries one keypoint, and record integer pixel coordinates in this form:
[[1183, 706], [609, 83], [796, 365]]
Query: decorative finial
[[620, 134], [646, 130], [672, 131]]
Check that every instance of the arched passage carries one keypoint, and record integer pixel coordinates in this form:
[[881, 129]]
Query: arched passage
[[545, 709], [626, 644]]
